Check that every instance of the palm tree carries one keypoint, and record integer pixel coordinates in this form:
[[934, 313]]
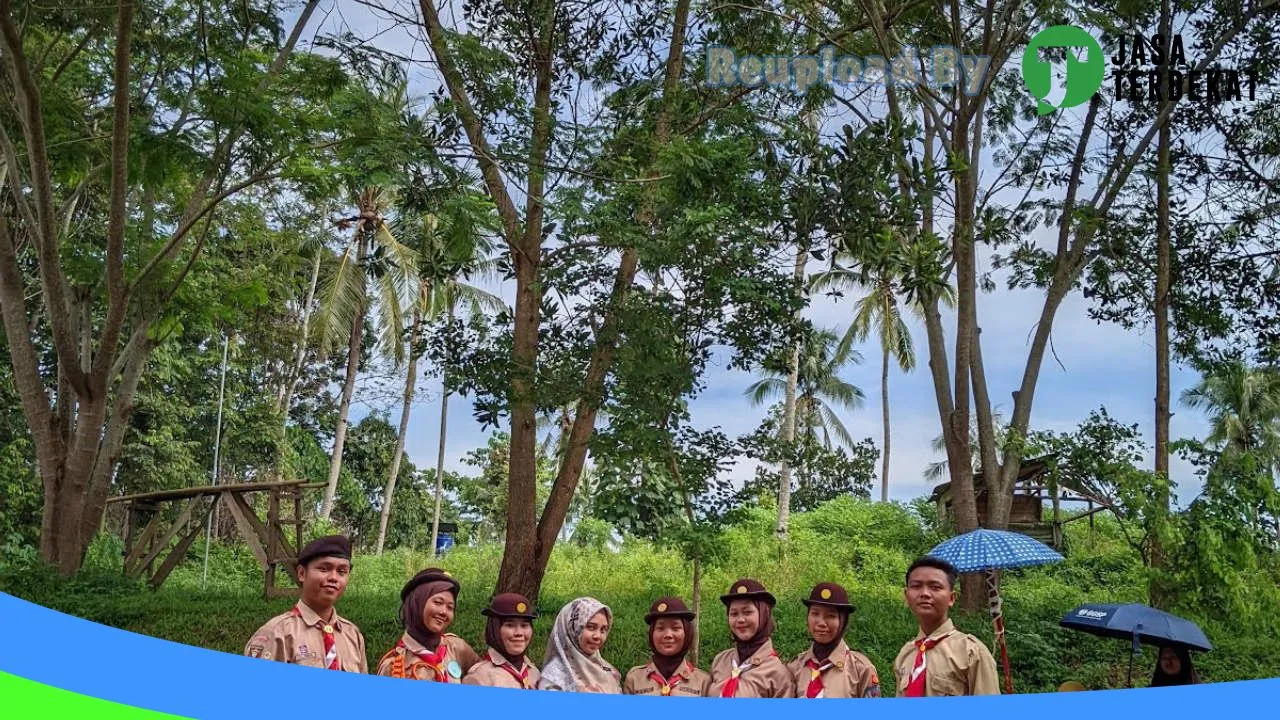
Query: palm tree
[[818, 388], [879, 310], [1243, 404], [372, 256], [437, 297], [937, 471]]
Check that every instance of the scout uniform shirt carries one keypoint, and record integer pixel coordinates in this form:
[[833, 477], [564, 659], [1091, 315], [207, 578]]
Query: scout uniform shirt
[[686, 681], [958, 665], [493, 670], [405, 661], [298, 637], [844, 674], [762, 676]]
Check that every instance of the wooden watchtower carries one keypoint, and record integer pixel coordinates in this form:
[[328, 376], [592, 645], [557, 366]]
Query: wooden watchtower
[[1030, 493], [274, 542]]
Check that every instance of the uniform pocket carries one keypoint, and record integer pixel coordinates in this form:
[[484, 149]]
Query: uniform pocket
[[945, 685], [309, 661]]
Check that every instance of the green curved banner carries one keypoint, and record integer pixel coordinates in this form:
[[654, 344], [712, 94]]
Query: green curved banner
[[28, 699]]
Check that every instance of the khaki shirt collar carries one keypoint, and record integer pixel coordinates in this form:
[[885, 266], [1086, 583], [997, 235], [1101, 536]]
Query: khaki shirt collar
[[840, 651], [684, 671], [944, 629], [311, 619], [762, 654], [416, 647], [498, 658]]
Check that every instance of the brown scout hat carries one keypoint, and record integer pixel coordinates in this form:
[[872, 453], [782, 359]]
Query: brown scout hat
[[829, 594], [426, 576], [668, 607], [748, 589], [510, 605], [327, 546]]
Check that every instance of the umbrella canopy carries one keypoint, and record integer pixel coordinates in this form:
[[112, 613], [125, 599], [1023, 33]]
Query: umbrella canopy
[[1148, 625], [993, 550], [985, 549]]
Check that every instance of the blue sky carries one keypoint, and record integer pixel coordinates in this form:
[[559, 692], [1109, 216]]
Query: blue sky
[[1095, 365]]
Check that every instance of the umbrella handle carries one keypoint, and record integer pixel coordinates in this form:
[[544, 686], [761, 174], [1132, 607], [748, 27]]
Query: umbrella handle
[[997, 619]]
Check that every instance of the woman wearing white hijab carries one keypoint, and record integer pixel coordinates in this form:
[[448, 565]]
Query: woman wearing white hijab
[[573, 662]]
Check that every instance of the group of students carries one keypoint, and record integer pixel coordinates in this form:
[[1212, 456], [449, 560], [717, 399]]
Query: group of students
[[939, 661]]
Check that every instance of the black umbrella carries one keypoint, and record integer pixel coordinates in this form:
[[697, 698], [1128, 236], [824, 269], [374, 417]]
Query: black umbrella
[[1139, 624]]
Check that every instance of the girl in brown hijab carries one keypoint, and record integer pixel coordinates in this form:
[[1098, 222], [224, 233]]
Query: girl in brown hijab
[[426, 651], [508, 632], [829, 669], [668, 671], [751, 667]]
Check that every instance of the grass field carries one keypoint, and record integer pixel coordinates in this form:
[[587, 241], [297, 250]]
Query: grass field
[[864, 546]]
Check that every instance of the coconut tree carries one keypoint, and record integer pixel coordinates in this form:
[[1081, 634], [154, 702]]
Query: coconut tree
[[1243, 405], [938, 470], [374, 271], [882, 311], [453, 234], [819, 390]]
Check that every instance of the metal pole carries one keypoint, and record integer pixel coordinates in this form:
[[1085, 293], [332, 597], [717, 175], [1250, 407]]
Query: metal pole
[[217, 448]]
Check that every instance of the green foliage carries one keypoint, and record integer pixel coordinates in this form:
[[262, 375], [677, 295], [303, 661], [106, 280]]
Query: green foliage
[[482, 499], [821, 472]]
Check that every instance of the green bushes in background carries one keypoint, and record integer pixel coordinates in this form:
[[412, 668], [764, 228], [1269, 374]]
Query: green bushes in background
[[864, 546]]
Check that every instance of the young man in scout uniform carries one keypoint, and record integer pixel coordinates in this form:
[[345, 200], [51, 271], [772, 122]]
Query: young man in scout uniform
[[668, 672], [507, 634], [312, 633], [828, 668], [940, 660]]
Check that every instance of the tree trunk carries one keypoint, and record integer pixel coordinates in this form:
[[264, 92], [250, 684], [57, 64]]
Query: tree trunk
[[884, 413], [411, 380], [284, 399], [344, 407], [444, 421], [528, 550], [78, 431], [1163, 262], [789, 412], [521, 549], [696, 601]]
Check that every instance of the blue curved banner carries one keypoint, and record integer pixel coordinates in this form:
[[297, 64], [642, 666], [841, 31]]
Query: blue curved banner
[[65, 653]]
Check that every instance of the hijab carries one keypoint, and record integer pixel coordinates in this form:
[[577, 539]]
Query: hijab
[[1186, 674], [566, 666], [411, 612], [493, 638], [667, 664], [822, 651], [765, 631]]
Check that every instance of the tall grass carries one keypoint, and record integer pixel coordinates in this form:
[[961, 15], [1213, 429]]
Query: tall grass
[[864, 546]]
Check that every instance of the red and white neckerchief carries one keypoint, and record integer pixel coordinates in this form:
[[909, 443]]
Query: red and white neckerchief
[[731, 686], [665, 686], [434, 660], [816, 689], [916, 686], [330, 643], [521, 677]]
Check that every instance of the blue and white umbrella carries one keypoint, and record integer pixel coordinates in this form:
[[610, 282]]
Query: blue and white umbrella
[[985, 549], [991, 550]]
